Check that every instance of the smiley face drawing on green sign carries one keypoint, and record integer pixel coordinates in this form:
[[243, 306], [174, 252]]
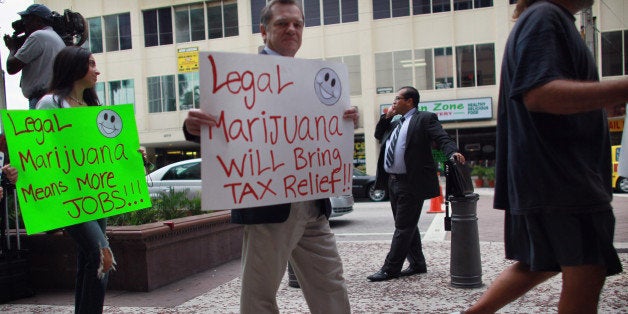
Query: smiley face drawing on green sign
[[109, 123]]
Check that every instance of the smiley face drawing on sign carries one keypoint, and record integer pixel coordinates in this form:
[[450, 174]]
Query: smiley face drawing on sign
[[109, 123], [327, 86]]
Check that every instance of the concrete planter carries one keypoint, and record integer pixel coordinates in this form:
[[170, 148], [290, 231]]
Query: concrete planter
[[149, 256]]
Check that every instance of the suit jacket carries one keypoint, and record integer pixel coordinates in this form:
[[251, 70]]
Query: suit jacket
[[424, 128], [265, 214]]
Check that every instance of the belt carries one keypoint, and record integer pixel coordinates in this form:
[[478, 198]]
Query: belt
[[398, 176]]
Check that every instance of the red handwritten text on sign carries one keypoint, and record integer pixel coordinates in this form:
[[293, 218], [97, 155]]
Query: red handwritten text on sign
[[247, 81]]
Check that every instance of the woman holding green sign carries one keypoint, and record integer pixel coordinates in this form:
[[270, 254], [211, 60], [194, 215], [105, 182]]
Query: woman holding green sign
[[74, 77]]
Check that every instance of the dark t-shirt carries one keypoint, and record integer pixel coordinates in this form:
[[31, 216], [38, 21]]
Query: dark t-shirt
[[549, 162]]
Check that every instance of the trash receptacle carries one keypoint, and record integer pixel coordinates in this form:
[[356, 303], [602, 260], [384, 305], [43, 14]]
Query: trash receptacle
[[465, 262]]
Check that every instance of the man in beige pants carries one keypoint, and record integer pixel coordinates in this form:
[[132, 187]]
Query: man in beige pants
[[297, 232]]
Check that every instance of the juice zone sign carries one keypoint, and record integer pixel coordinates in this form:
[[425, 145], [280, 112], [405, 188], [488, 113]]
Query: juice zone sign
[[280, 135], [460, 109], [75, 164]]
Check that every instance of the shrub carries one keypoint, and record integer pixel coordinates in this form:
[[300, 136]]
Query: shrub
[[166, 206]]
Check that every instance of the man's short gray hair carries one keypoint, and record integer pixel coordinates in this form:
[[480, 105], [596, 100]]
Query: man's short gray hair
[[267, 14]]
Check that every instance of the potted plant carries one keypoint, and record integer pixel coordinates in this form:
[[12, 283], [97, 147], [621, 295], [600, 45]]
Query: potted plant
[[479, 173], [489, 175]]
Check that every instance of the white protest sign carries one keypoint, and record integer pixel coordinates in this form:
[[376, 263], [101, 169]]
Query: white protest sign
[[280, 136]]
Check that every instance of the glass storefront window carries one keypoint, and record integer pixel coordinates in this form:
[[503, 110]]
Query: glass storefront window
[[121, 92], [189, 91]]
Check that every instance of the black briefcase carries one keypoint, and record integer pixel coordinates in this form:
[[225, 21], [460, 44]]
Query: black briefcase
[[457, 179]]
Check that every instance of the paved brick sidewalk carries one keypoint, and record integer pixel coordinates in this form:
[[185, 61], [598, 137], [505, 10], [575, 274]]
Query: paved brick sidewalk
[[217, 290]]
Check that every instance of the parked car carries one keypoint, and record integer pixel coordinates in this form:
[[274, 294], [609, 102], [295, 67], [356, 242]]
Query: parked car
[[364, 187], [186, 175]]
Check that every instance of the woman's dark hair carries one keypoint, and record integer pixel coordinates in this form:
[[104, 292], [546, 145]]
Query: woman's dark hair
[[71, 64]]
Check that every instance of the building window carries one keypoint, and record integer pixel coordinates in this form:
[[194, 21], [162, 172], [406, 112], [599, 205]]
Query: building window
[[331, 11], [256, 14], [463, 5], [349, 11], [189, 23], [612, 53], [355, 74], [189, 91], [157, 27], [441, 6], [400, 8], [513, 1], [421, 7], [100, 92], [94, 43], [393, 70], [475, 65], [471, 4], [312, 12], [422, 63], [339, 11], [117, 32], [222, 19], [383, 9], [482, 3], [428, 69], [121, 92], [384, 72], [443, 68], [161, 95], [485, 64], [403, 72]]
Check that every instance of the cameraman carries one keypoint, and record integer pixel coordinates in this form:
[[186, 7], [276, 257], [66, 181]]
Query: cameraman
[[36, 55]]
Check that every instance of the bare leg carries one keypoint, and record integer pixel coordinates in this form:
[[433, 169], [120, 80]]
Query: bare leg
[[512, 283], [581, 288]]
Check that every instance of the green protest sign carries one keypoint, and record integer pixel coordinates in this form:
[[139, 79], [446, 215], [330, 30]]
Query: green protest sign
[[75, 164]]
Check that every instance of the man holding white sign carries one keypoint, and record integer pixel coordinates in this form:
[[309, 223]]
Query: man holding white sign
[[297, 231]]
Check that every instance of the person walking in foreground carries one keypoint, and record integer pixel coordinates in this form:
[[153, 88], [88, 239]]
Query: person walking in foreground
[[553, 161], [297, 232], [407, 168]]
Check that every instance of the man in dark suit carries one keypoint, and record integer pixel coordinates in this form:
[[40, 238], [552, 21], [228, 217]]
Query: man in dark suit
[[407, 168], [297, 232]]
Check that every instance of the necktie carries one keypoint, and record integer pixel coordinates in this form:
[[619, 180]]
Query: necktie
[[390, 154]]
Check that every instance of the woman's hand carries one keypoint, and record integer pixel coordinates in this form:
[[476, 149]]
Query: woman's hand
[[10, 172]]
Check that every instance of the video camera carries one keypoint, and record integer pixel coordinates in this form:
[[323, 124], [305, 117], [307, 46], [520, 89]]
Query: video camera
[[71, 27]]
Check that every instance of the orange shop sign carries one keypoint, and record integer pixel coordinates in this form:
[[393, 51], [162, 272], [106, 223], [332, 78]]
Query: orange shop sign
[[616, 124]]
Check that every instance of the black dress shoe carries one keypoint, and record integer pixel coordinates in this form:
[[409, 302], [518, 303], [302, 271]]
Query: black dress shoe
[[413, 271], [382, 276]]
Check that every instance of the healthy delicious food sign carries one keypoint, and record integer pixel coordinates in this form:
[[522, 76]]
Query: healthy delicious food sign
[[75, 165], [280, 135]]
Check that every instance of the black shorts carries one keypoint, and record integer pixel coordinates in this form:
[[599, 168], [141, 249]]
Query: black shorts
[[547, 241]]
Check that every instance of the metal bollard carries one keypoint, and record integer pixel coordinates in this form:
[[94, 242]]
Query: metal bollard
[[465, 264]]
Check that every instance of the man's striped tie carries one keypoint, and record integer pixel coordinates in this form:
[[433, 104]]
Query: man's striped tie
[[390, 153]]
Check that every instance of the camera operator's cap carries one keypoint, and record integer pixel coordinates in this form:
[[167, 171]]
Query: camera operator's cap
[[37, 10]]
